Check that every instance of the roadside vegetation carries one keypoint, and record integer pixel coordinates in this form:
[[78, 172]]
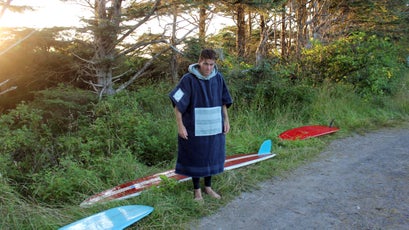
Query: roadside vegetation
[[65, 145], [85, 109]]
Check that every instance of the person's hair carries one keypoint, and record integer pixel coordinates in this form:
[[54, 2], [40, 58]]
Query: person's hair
[[208, 54]]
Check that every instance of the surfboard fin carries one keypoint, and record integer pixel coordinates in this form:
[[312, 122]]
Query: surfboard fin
[[265, 148]]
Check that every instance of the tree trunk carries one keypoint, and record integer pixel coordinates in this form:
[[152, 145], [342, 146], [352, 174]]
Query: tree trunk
[[290, 29], [301, 20], [241, 31], [283, 32], [275, 31], [174, 60], [250, 26], [202, 23], [105, 32], [262, 47]]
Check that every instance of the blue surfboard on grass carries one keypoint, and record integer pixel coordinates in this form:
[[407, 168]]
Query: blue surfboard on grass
[[114, 218]]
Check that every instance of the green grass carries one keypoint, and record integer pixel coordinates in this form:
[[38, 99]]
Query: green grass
[[173, 203]]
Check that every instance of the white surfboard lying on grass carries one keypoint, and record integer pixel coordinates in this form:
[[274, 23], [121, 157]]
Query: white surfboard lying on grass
[[135, 187]]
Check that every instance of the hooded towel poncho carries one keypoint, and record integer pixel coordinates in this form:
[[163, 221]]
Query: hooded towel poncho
[[200, 100]]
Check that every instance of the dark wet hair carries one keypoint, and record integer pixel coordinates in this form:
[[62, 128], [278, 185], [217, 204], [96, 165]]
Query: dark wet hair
[[208, 54]]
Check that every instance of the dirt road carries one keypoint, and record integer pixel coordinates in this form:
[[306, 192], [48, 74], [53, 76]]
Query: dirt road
[[360, 182]]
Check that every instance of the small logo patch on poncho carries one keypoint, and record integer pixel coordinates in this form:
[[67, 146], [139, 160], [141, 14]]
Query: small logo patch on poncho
[[178, 95]]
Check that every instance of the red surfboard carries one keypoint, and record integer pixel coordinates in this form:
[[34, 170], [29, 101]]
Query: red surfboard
[[306, 132], [135, 187]]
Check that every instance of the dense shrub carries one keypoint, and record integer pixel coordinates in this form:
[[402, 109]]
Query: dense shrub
[[68, 182], [268, 88], [367, 62], [62, 144], [135, 121], [26, 140], [29, 134], [64, 107]]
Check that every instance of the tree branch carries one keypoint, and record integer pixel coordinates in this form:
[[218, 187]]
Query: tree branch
[[17, 43], [141, 22], [147, 64], [141, 44], [5, 6], [7, 90]]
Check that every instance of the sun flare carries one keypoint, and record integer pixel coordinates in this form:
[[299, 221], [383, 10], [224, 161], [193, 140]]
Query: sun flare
[[46, 13]]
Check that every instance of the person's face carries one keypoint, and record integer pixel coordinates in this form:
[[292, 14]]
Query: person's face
[[206, 66]]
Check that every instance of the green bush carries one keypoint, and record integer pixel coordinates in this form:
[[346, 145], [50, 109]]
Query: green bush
[[72, 178], [59, 142], [64, 107], [28, 132], [367, 62], [123, 121], [268, 88], [26, 140]]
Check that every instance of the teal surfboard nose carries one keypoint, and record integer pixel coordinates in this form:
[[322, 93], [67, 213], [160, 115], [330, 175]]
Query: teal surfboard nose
[[114, 218]]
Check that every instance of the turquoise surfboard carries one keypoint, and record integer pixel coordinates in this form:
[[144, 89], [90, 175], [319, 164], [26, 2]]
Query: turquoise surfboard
[[114, 218]]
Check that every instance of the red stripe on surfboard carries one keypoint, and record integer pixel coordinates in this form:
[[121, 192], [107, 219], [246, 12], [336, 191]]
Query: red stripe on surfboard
[[135, 187], [169, 173], [239, 161], [137, 191], [232, 162]]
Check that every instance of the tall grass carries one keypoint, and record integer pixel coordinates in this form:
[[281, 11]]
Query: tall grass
[[174, 206], [251, 123]]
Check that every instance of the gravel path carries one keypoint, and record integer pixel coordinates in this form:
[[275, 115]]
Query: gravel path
[[360, 182]]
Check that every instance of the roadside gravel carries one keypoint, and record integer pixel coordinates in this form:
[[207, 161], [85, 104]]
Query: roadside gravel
[[359, 182]]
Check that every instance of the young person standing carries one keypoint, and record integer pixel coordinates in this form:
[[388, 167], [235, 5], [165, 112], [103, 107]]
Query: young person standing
[[200, 101]]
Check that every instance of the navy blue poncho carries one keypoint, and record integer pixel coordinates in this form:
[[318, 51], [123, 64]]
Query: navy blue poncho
[[200, 100]]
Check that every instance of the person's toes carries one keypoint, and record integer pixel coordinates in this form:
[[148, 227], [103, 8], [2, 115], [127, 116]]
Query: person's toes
[[212, 193], [198, 195]]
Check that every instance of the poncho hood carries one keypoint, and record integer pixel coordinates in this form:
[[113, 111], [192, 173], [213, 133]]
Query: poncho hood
[[194, 69]]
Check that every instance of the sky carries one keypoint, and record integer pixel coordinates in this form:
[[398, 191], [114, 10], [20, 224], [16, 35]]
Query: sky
[[48, 13]]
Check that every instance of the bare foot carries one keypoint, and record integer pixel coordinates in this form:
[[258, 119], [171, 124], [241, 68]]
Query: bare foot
[[198, 195], [210, 192]]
